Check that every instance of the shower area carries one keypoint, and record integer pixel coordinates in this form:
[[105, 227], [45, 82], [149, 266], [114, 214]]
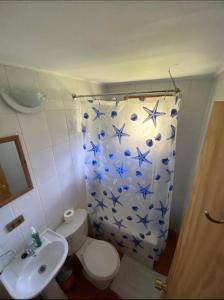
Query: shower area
[[129, 159]]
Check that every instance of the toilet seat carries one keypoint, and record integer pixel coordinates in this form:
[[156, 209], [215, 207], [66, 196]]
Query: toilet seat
[[101, 260]]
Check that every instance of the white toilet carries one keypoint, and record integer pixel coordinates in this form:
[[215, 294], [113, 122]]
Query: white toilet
[[100, 259]]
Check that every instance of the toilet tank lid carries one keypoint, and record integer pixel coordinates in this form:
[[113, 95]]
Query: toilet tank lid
[[67, 229]]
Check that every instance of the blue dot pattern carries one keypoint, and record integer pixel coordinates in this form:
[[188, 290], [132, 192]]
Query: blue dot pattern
[[134, 117], [127, 153], [129, 156]]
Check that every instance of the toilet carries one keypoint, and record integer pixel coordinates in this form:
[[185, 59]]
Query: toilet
[[100, 259]]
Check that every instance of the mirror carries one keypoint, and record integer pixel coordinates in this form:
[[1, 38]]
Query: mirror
[[15, 179]]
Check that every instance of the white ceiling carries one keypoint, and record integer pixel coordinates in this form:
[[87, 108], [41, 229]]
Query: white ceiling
[[110, 41]]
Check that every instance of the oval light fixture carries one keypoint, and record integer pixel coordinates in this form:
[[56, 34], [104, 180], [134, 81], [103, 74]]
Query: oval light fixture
[[24, 101]]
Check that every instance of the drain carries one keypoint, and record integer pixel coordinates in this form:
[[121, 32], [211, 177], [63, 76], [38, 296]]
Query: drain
[[42, 269]]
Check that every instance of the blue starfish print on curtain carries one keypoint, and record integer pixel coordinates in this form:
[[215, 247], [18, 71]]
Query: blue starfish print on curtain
[[163, 209], [115, 199], [120, 170], [163, 234], [101, 204], [158, 137], [95, 148], [97, 226], [98, 176], [84, 130], [153, 114], [144, 190], [169, 172], [98, 113], [119, 132], [120, 244], [144, 220], [136, 242], [142, 157], [94, 210], [173, 134], [119, 223]]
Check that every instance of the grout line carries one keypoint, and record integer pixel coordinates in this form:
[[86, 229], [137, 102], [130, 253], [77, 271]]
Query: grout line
[[7, 76], [33, 173]]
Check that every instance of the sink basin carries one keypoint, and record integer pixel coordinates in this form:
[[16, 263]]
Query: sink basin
[[26, 278]]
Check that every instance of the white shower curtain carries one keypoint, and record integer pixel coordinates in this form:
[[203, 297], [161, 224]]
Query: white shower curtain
[[129, 165]]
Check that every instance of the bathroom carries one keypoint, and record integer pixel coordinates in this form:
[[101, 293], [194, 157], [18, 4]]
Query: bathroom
[[93, 96]]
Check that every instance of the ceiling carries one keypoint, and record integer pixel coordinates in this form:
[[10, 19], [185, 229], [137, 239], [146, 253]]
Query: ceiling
[[111, 41]]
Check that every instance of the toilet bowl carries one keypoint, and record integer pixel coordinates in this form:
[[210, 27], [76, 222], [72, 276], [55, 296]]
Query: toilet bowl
[[100, 259], [100, 262]]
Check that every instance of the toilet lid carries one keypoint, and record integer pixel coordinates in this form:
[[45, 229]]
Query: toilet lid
[[101, 259]]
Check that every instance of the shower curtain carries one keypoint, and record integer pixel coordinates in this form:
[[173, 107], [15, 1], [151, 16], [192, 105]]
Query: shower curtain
[[129, 168]]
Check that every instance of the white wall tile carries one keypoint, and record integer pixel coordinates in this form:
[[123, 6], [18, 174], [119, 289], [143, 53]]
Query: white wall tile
[[53, 100], [43, 165], [73, 120], [53, 105], [52, 202], [22, 78], [30, 206], [49, 82], [3, 78], [6, 216], [9, 125], [77, 155], [57, 126], [4, 85], [68, 84], [68, 191], [9, 240], [35, 131], [62, 157], [77, 152], [69, 102], [13, 240], [5, 109]]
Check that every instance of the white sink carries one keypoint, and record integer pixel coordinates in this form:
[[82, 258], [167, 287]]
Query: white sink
[[26, 278]]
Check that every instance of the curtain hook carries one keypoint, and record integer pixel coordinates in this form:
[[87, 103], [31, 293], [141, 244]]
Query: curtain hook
[[114, 98]]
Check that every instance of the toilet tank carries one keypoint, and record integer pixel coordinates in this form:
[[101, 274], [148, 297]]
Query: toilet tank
[[75, 232]]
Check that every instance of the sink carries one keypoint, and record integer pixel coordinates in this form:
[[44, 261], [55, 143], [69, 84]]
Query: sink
[[26, 278]]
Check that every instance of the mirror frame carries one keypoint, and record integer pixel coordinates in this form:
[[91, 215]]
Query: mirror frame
[[15, 138]]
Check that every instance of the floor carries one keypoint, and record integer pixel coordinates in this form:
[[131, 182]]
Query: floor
[[83, 289], [136, 281]]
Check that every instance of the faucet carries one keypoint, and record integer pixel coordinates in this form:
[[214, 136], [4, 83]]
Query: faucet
[[3, 255], [30, 250]]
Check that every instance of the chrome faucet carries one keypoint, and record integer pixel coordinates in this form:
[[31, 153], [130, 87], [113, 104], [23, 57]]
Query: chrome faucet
[[30, 250], [5, 254]]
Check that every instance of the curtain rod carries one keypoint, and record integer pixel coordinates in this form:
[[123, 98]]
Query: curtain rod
[[174, 91], [149, 94]]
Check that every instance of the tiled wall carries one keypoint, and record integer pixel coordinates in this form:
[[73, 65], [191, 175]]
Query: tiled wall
[[53, 148]]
